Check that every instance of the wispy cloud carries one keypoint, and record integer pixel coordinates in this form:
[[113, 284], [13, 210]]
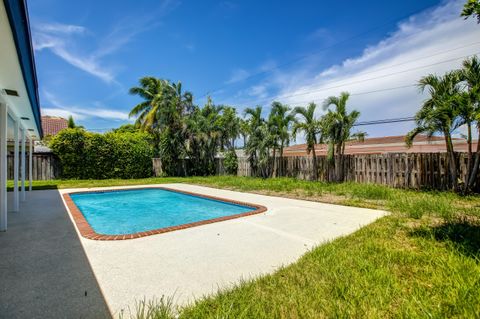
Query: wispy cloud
[[238, 75], [59, 108], [319, 35], [58, 38], [62, 40], [432, 41], [60, 28]]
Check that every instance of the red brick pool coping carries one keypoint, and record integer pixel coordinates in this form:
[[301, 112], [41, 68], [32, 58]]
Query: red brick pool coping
[[87, 231]]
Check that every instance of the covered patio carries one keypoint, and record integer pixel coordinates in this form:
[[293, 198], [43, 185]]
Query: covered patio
[[19, 104]]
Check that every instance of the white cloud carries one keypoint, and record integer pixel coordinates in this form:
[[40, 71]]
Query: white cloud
[[58, 38], [79, 112], [61, 40], [52, 111], [401, 59], [259, 91], [60, 28], [238, 75]]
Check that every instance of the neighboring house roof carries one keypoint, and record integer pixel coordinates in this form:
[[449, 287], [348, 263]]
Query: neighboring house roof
[[387, 144], [53, 124], [38, 147], [19, 23]]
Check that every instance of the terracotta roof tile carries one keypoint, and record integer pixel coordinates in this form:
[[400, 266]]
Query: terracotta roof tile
[[51, 125], [387, 144]]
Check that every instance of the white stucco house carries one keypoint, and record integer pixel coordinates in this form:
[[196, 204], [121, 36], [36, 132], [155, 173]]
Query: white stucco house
[[20, 118]]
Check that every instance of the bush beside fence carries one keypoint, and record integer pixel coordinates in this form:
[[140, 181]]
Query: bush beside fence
[[86, 155]]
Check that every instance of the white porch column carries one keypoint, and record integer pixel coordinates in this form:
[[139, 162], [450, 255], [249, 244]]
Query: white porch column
[[30, 165], [16, 198], [23, 164], [3, 166]]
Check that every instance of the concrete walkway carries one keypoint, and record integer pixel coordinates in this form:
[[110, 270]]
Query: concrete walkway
[[189, 263], [44, 272]]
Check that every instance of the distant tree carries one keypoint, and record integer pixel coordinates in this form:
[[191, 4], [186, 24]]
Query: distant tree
[[71, 122], [244, 131], [203, 133], [259, 143], [231, 162], [311, 127], [469, 109], [229, 123], [338, 124], [126, 128], [162, 113], [471, 8], [439, 113], [279, 122]]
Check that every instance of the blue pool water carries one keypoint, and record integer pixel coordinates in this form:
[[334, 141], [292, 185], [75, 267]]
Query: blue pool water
[[132, 211]]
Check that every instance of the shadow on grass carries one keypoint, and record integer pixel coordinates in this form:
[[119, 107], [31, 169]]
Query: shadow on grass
[[462, 233], [36, 187]]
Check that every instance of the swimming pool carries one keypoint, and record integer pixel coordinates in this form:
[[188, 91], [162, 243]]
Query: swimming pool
[[132, 213]]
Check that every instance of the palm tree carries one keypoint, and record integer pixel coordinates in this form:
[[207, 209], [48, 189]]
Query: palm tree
[[338, 126], [259, 142], [471, 8], [470, 112], [311, 128], [203, 133], [161, 113], [439, 114], [244, 131], [279, 122], [230, 124]]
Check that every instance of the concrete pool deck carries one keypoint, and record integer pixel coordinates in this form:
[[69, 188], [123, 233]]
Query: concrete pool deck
[[185, 264]]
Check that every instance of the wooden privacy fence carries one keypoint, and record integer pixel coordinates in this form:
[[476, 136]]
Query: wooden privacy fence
[[45, 166], [400, 170]]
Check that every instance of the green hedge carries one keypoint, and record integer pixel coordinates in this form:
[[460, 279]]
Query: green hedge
[[86, 155]]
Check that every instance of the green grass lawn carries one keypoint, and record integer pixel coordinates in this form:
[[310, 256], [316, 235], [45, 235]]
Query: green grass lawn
[[422, 261]]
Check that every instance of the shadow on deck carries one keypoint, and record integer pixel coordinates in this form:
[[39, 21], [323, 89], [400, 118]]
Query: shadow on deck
[[44, 272]]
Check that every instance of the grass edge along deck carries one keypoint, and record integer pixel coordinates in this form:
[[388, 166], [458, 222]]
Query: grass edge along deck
[[87, 231]]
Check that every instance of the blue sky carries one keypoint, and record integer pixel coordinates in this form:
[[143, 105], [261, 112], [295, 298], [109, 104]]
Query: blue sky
[[244, 53]]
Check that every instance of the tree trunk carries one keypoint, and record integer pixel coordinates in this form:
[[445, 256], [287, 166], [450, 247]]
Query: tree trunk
[[476, 164], [280, 160], [315, 165], [469, 157], [338, 163], [451, 159], [274, 170]]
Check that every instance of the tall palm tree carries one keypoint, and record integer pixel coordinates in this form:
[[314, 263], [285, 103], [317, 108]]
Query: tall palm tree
[[311, 128], [470, 112], [161, 112], [203, 132], [259, 142], [230, 124], [338, 126], [279, 122], [439, 114]]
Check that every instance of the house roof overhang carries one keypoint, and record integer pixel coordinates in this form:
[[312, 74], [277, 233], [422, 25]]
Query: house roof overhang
[[17, 66]]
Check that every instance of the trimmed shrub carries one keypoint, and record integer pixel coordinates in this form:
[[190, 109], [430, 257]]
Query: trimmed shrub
[[85, 155], [231, 162]]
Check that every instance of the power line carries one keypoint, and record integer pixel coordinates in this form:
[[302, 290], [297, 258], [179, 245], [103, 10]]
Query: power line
[[321, 50], [364, 80], [361, 93], [386, 121]]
